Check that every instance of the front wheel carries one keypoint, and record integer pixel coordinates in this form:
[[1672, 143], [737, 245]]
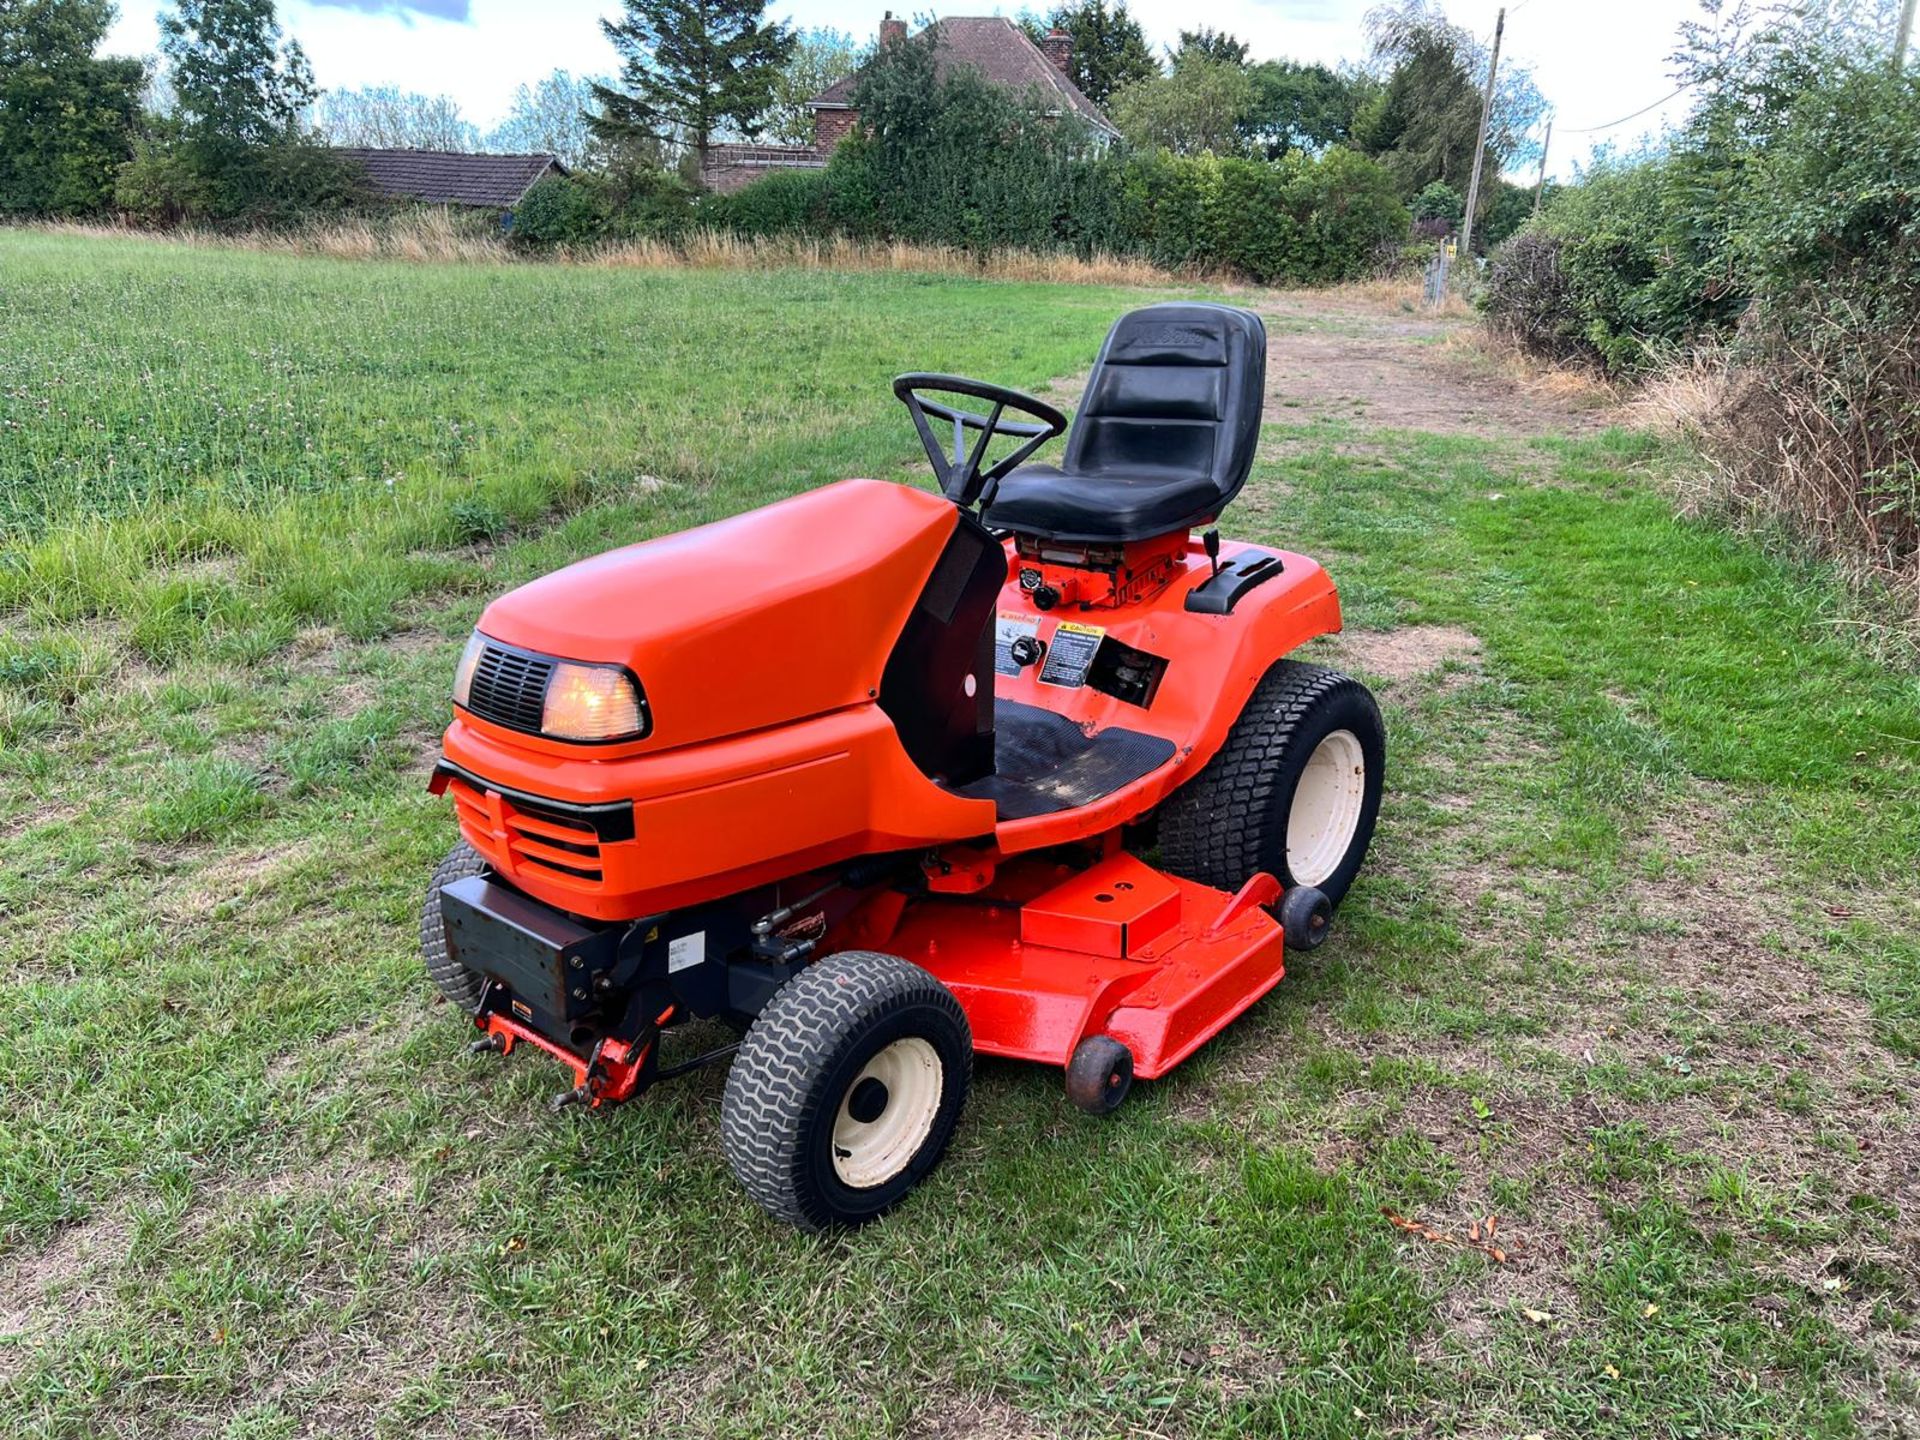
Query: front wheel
[[459, 984], [1295, 791], [846, 1090]]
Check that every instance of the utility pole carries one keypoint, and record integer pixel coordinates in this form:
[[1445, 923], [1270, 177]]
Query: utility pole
[[1905, 34], [1540, 185], [1480, 146]]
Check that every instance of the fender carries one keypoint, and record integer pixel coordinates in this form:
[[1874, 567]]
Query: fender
[[1212, 664]]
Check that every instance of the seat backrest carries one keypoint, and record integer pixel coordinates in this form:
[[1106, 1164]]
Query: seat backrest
[[1177, 392]]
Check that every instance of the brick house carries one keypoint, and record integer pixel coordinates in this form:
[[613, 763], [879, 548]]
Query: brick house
[[991, 44]]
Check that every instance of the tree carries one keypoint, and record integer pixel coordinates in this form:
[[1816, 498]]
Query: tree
[[1439, 201], [387, 117], [1426, 119], [1207, 43], [689, 68], [820, 57], [553, 116], [235, 151], [237, 85], [1198, 109], [66, 119], [1109, 47], [1297, 106]]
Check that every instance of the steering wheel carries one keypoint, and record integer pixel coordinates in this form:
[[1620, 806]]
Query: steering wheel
[[959, 473]]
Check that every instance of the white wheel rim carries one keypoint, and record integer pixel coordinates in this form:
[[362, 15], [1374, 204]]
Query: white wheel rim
[[869, 1152], [1326, 808]]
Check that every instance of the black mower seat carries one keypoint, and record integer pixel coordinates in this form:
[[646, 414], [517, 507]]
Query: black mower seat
[[1164, 436]]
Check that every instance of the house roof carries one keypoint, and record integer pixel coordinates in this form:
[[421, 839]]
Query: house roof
[[1001, 51], [444, 177]]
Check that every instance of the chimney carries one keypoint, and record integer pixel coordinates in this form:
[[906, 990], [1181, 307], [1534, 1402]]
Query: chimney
[[892, 29], [1058, 47]]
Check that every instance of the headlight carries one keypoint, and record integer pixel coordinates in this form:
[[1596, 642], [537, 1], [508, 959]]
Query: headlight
[[539, 695], [590, 702], [463, 675]]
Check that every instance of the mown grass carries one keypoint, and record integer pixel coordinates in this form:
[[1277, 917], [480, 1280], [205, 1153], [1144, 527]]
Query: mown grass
[[251, 1184]]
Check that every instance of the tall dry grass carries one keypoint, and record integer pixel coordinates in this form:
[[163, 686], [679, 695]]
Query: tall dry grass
[[427, 235], [441, 237], [1399, 292], [1815, 436]]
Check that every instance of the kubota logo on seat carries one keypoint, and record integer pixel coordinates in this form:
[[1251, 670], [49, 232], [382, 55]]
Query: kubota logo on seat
[[1179, 337]]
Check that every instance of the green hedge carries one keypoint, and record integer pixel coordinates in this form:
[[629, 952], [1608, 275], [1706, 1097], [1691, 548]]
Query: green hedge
[[956, 161], [1298, 220], [784, 202]]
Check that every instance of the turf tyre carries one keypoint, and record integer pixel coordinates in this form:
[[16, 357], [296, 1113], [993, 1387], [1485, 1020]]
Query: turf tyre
[[459, 984], [798, 1073], [1231, 820]]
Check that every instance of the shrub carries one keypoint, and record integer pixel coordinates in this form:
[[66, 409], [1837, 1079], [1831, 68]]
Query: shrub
[[1439, 201], [1824, 426], [1529, 301], [785, 202], [643, 200], [1779, 231], [560, 210], [1349, 212], [1297, 220], [171, 181], [160, 186]]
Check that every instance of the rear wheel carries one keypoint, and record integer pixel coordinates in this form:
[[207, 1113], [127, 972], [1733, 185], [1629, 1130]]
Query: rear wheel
[[846, 1090], [1295, 791], [459, 984]]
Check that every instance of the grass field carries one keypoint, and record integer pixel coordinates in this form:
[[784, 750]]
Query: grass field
[[1636, 965]]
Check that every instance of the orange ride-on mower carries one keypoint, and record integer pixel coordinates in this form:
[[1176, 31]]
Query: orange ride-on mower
[[868, 774]]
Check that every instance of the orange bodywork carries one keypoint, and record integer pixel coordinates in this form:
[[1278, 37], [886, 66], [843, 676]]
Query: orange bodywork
[[760, 643]]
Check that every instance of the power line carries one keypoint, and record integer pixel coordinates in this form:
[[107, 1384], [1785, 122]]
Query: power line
[[1593, 129]]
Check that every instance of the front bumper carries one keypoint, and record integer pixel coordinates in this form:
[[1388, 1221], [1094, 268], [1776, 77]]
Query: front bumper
[[596, 996], [560, 973], [567, 988]]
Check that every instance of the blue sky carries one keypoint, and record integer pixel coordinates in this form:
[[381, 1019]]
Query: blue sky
[[1595, 62]]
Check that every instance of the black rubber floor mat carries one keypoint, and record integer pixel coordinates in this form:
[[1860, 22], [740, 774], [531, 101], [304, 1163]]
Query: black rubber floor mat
[[1044, 762]]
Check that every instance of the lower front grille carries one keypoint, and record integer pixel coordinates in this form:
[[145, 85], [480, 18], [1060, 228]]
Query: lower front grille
[[561, 848], [547, 842]]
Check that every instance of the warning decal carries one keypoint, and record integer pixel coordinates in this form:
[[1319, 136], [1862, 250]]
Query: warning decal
[[1071, 654], [1009, 626]]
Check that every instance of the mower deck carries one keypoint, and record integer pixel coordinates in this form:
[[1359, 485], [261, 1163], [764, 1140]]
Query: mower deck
[[1158, 963]]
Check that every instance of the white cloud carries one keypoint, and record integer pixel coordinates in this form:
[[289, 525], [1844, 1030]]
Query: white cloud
[[1595, 64]]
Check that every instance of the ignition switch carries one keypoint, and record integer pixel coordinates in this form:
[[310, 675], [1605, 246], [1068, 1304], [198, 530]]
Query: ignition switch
[[1026, 650]]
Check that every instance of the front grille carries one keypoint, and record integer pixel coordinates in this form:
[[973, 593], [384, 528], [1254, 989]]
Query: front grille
[[509, 687], [557, 844], [537, 840]]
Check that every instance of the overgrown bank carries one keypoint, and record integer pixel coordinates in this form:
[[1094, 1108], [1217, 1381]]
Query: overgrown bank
[[1763, 273]]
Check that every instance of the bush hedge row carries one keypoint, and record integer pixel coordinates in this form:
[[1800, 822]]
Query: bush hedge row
[[955, 161], [1298, 220]]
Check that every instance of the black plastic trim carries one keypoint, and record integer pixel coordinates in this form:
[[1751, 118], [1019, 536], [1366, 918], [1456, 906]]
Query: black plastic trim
[[1221, 591], [610, 820]]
